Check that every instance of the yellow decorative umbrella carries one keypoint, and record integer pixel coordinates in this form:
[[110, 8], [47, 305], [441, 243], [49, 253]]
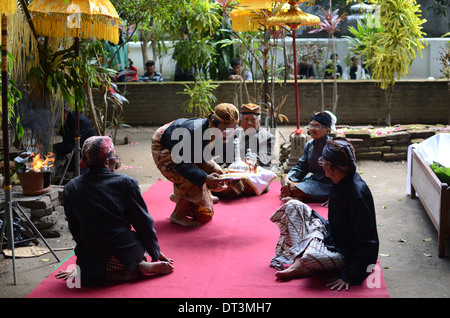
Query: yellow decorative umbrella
[[7, 7], [293, 18], [250, 15], [247, 15], [78, 19]]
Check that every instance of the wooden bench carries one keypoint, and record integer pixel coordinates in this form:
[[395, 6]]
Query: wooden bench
[[434, 195]]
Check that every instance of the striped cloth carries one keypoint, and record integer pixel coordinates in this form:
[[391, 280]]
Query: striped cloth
[[302, 235]]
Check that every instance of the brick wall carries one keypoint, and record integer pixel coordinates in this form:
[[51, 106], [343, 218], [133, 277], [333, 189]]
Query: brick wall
[[359, 102]]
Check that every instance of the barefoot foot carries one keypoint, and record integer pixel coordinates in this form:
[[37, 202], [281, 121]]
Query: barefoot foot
[[158, 268], [296, 270], [215, 199], [286, 199], [183, 221]]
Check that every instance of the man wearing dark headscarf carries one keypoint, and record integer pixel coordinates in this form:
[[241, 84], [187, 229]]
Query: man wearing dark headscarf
[[180, 150], [101, 208], [347, 244], [307, 181]]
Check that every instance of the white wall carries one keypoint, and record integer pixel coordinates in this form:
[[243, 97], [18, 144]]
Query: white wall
[[421, 68]]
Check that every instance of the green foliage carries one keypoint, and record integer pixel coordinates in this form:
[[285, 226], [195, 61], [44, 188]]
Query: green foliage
[[201, 97], [389, 53], [194, 23], [14, 95], [390, 43], [363, 35], [226, 50], [75, 77]]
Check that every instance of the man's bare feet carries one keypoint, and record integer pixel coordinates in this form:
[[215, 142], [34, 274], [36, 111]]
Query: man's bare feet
[[183, 220], [215, 199], [158, 268], [286, 199], [296, 270], [174, 198], [179, 217]]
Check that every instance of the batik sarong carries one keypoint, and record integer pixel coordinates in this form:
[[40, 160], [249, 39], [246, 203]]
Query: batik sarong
[[200, 200], [302, 235]]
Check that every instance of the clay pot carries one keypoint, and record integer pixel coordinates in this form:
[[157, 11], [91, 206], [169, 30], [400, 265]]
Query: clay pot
[[33, 182]]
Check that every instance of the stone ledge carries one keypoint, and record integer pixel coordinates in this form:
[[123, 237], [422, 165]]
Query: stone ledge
[[387, 144], [43, 210]]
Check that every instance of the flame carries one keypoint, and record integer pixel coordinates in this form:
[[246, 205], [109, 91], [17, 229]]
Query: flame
[[39, 163]]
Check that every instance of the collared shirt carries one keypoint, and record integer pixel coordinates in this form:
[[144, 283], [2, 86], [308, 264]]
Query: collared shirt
[[157, 77]]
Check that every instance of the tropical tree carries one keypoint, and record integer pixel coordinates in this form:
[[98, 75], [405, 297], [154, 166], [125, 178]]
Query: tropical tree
[[329, 24], [257, 46], [139, 22], [389, 53]]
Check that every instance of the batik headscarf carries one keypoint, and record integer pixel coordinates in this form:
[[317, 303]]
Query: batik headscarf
[[226, 113], [340, 152], [250, 108], [95, 150]]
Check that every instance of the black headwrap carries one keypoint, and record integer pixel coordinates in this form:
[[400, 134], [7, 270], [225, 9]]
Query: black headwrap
[[323, 118], [340, 152]]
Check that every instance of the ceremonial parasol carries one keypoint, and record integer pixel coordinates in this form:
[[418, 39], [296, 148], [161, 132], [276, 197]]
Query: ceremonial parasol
[[77, 19], [294, 18], [7, 7], [251, 15], [247, 14]]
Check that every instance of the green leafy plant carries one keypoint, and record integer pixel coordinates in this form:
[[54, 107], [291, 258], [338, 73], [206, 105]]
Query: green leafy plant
[[193, 24], [390, 52], [329, 24], [256, 48], [14, 95], [201, 97]]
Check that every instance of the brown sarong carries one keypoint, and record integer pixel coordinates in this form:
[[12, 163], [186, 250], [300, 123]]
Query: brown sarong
[[199, 197]]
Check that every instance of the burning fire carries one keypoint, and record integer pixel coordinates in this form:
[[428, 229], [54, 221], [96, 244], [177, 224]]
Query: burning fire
[[40, 164]]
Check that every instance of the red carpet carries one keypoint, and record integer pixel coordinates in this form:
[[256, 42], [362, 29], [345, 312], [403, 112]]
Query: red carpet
[[225, 258]]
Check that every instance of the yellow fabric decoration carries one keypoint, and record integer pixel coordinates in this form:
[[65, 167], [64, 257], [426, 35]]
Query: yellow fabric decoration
[[7, 6], [80, 18]]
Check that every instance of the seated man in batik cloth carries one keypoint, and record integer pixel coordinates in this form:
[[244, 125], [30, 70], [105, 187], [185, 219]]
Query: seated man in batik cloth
[[345, 245], [109, 221], [258, 140], [179, 150]]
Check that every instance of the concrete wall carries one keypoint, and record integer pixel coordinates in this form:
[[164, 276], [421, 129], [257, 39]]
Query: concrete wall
[[421, 68], [359, 102]]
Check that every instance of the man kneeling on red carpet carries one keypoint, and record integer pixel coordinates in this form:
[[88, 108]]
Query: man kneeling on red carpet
[[182, 151], [109, 221]]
